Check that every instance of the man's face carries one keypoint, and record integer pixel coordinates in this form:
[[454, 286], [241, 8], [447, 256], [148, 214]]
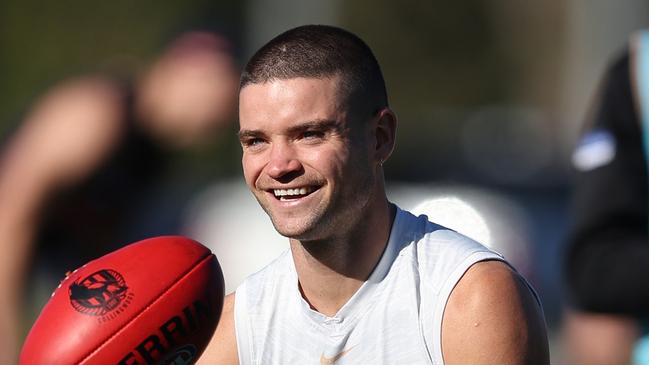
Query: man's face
[[306, 161]]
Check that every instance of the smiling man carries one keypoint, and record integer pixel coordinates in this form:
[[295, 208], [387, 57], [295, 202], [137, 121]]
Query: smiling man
[[364, 282]]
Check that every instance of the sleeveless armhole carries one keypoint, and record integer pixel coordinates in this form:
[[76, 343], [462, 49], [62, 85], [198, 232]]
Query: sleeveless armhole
[[445, 293], [242, 326]]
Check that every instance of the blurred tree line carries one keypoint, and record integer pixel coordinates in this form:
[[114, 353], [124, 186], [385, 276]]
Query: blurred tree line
[[44, 42], [475, 77], [442, 60]]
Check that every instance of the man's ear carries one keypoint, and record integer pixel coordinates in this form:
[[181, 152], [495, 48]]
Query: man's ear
[[385, 134]]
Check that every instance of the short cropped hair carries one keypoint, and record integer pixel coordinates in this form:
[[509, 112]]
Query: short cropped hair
[[320, 51]]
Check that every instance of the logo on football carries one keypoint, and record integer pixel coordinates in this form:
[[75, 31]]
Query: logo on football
[[98, 293]]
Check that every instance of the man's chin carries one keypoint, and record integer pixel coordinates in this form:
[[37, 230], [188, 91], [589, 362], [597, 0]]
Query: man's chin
[[293, 231]]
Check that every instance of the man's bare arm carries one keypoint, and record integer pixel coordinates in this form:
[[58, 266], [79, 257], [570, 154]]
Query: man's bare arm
[[222, 349], [492, 317]]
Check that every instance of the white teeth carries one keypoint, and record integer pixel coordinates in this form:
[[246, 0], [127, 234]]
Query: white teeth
[[291, 192]]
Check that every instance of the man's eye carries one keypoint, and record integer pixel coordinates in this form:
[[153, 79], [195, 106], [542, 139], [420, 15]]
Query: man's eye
[[253, 142], [313, 135]]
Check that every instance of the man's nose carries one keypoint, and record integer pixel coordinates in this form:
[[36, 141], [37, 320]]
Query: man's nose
[[283, 161]]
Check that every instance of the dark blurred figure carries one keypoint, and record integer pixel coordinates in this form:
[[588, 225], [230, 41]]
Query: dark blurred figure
[[608, 254], [100, 162]]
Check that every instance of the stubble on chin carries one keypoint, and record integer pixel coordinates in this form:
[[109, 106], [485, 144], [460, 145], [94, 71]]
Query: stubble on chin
[[301, 227]]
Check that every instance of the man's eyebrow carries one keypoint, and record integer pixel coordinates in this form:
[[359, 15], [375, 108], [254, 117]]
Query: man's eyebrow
[[317, 124], [247, 133]]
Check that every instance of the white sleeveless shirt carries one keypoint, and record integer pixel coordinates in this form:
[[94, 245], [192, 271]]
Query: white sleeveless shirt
[[395, 317]]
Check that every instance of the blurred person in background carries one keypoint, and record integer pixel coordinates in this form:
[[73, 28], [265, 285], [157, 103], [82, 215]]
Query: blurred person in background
[[608, 251], [100, 162]]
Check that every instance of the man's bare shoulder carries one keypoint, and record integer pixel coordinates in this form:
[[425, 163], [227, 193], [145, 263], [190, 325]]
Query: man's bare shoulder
[[222, 348], [493, 317]]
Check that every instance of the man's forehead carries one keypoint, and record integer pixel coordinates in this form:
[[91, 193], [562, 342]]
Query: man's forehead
[[287, 96], [333, 82]]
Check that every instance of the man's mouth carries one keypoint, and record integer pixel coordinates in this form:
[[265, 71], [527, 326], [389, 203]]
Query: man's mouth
[[292, 194]]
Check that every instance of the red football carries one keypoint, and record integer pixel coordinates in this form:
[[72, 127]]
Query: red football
[[156, 301]]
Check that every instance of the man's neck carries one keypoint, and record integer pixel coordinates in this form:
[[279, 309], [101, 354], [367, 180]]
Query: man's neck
[[331, 271]]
